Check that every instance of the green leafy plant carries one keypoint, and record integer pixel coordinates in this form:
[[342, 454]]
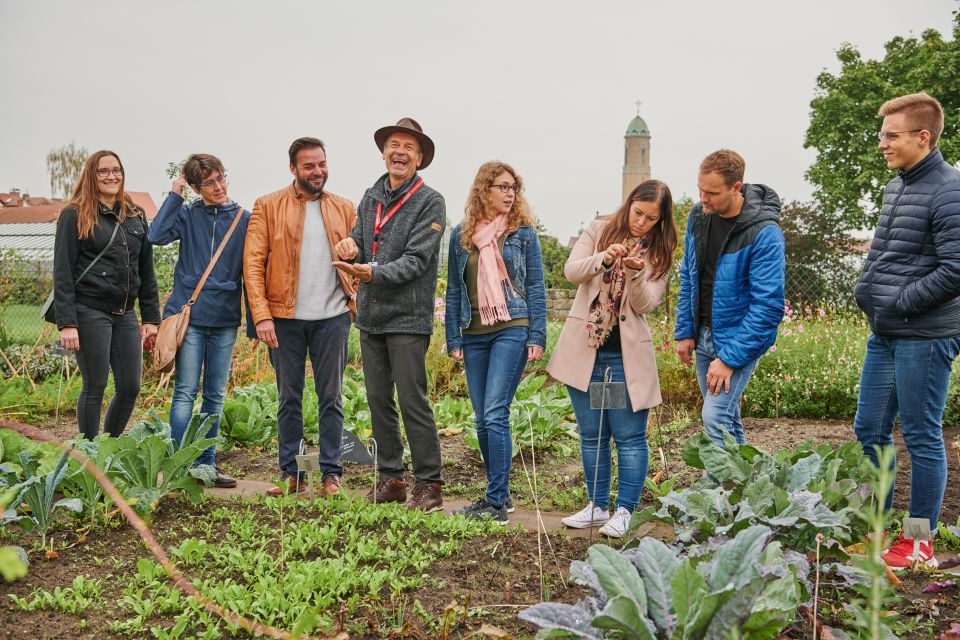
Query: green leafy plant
[[870, 610], [250, 416], [798, 494], [745, 587], [148, 463], [37, 494]]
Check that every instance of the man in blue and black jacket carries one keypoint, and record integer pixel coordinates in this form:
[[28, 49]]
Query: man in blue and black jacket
[[910, 292], [731, 287]]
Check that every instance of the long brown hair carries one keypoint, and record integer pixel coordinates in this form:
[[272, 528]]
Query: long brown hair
[[663, 235], [479, 203], [86, 196]]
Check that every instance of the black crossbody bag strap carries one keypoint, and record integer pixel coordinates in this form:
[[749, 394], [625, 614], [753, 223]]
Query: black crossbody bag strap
[[99, 255]]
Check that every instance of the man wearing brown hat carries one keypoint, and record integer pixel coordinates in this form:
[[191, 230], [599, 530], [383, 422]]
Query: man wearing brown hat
[[394, 250]]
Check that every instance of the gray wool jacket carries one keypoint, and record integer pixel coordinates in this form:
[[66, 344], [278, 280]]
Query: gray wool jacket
[[400, 298]]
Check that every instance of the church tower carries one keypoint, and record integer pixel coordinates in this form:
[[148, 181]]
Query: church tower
[[636, 159]]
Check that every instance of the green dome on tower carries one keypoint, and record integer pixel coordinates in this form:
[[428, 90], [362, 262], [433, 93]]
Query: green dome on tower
[[637, 129]]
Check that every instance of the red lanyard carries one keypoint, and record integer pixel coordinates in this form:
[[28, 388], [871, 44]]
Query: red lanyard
[[378, 224]]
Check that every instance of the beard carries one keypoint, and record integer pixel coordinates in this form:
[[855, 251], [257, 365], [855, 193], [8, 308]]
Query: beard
[[308, 188]]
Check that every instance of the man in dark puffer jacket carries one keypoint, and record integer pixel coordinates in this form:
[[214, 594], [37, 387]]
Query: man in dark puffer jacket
[[910, 291]]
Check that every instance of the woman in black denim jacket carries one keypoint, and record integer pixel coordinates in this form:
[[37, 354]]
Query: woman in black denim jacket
[[95, 314]]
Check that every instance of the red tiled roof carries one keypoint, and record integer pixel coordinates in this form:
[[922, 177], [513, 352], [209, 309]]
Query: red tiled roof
[[49, 212]]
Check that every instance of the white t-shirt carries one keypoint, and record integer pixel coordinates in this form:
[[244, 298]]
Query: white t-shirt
[[319, 294]]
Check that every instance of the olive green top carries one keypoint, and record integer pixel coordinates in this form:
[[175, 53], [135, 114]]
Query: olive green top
[[470, 279]]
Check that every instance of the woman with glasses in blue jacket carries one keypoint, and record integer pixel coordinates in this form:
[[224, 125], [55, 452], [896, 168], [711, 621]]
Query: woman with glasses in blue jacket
[[496, 316]]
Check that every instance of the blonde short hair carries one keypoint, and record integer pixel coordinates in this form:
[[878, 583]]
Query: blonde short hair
[[922, 112]]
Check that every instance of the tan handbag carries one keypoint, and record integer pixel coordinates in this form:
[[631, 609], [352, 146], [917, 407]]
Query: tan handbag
[[174, 327]]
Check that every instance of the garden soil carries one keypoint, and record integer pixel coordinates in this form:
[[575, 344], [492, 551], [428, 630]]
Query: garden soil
[[500, 574]]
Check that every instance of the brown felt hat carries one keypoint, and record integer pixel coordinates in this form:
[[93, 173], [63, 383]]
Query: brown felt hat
[[413, 128]]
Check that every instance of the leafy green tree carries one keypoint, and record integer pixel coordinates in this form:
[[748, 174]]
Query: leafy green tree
[[65, 165], [554, 256], [849, 173]]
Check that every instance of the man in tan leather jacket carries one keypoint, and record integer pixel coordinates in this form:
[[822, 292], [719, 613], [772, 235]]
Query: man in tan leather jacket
[[301, 305]]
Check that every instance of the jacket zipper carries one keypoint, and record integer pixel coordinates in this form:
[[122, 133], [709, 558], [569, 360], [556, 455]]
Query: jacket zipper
[[213, 236], [126, 255]]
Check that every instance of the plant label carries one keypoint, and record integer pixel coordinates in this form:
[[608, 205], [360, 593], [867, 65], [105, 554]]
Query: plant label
[[608, 395], [307, 462], [352, 450], [916, 529]]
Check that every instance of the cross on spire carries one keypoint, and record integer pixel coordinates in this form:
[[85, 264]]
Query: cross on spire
[[638, 103]]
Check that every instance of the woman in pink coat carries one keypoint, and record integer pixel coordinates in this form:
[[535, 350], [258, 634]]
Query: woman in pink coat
[[620, 263]]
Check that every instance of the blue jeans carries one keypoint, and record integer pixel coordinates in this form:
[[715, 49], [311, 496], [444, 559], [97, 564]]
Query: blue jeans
[[629, 431], [721, 412], [208, 350], [325, 343], [494, 363], [909, 378]]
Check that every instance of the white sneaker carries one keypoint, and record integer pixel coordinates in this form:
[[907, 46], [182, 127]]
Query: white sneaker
[[581, 519], [617, 526]]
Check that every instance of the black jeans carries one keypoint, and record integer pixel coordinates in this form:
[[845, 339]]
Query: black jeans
[[325, 341], [399, 360], [108, 342]]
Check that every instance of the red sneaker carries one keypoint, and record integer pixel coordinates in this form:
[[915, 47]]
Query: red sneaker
[[900, 555]]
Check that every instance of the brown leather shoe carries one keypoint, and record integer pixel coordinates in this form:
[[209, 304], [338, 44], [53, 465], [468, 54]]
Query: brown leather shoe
[[331, 485], [388, 490], [223, 481], [294, 486], [426, 496]]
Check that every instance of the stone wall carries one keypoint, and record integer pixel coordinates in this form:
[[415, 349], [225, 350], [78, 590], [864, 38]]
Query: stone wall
[[559, 303]]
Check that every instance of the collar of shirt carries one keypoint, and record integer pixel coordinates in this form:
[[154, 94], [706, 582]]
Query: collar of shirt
[[393, 193]]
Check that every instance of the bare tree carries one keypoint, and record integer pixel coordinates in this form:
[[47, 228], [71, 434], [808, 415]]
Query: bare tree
[[65, 166]]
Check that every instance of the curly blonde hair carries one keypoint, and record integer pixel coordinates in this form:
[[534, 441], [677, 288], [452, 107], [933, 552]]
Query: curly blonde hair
[[479, 203]]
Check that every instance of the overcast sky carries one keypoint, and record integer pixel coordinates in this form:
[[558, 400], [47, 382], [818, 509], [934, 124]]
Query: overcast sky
[[546, 86]]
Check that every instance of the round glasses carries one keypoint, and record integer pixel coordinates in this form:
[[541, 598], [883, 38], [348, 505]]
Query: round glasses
[[210, 184], [117, 171], [506, 187]]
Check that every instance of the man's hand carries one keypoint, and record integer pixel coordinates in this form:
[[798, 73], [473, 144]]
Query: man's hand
[[718, 377], [456, 354], [267, 332], [346, 249], [179, 185], [685, 349], [147, 331], [362, 272], [70, 338], [534, 353]]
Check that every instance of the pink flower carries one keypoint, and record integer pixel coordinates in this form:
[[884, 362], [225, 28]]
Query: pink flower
[[800, 327], [440, 315], [821, 312], [773, 348], [437, 303]]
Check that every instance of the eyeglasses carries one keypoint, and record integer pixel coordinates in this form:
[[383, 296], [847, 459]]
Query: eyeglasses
[[890, 136], [117, 171], [506, 187], [210, 184]]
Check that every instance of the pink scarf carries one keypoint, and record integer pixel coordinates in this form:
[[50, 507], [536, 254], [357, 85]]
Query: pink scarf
[[492, 278]]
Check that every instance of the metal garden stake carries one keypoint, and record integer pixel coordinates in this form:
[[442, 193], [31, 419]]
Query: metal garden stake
[[604, 395]]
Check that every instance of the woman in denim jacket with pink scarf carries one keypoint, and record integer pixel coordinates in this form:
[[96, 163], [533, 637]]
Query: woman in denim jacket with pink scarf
[[496, 316]]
